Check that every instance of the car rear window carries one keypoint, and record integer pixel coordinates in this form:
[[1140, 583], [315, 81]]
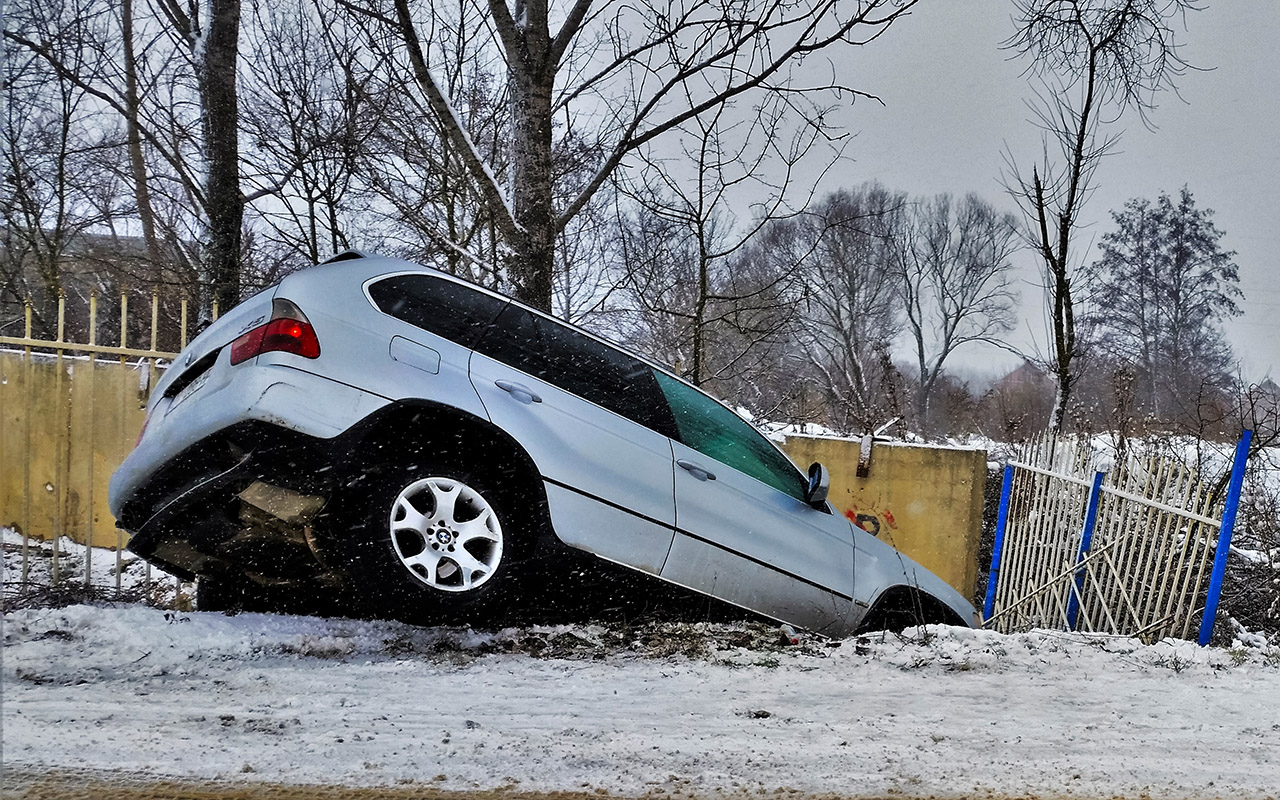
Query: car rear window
[[452, 310]]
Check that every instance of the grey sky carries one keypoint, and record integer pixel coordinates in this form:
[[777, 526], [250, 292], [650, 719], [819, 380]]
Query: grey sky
[[953, 101]]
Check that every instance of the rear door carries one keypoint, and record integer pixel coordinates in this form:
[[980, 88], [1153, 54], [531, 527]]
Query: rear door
[[593, 421]]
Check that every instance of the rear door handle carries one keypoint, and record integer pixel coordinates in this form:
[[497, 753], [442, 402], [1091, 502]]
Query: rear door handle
[[696, 471], [519, 391]]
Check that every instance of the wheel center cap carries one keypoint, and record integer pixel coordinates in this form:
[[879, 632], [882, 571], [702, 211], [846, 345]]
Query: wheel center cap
[[444, 537]]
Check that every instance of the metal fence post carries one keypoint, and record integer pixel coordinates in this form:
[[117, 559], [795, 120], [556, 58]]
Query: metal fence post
[[1086, 541], [1224, 538], [1006, 489]]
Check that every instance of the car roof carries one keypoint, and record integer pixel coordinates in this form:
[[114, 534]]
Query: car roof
[[368, 267]]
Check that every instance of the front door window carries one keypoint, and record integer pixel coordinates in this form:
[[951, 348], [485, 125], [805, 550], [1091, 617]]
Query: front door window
[[717, 432]]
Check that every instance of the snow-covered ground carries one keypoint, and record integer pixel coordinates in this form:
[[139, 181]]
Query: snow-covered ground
[[641, 710]]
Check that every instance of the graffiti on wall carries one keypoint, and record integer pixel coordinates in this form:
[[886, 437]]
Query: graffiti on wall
[[871, 519]]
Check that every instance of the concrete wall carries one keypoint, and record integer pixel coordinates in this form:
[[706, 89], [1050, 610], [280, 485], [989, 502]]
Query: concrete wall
[[925, 501], [65, 424]]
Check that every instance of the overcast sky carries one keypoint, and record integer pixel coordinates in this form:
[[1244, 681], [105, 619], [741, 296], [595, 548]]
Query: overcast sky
[[953, 101]]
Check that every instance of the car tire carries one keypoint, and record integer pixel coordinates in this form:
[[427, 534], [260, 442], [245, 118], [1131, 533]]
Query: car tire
[[431, 543]]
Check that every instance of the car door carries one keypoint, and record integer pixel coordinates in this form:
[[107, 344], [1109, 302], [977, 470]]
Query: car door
[[744, 532], [590, 417]]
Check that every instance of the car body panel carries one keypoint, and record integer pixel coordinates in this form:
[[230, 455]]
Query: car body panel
[[588, 524], [745, 582], [743, 519], [271, 393], [879, 567]]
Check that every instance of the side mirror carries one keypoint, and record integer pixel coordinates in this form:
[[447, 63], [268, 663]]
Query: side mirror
[[819, 485]]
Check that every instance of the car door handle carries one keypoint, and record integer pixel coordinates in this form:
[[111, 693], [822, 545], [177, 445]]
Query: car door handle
[[519, 391], [696, 471]]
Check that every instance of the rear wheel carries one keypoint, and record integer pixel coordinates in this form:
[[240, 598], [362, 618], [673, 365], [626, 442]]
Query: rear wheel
[[428, 542], [446, 534]]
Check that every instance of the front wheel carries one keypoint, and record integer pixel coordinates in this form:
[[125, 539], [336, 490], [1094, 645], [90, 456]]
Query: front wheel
[[437, 544]]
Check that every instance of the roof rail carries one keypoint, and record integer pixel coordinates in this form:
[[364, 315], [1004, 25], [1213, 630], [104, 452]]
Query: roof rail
[[346, 255]]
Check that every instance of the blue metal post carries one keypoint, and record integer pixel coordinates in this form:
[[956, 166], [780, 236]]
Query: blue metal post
[[1224, 538], [1003, 519], [1086, 541]]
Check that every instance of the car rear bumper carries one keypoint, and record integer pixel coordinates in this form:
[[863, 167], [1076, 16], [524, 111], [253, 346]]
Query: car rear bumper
[[181, 518], [180, 431]]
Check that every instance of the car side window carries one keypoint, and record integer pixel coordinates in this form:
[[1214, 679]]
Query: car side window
[[578, 364], [452, 310], [717, 432]]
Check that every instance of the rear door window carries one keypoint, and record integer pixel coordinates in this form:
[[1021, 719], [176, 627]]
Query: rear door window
[[579, 364]]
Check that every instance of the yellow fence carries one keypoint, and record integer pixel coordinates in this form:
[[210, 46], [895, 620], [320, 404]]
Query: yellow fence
[[69, 413]]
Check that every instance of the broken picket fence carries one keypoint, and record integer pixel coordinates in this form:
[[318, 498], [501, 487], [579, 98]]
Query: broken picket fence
[[1140, 550]]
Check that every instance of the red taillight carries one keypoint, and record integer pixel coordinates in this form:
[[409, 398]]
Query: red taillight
[[288, 331]]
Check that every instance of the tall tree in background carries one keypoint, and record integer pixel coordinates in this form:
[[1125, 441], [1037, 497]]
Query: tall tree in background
[[853, 309], [214, 46], [620, 74], [952, 263], [1093, 60], [308, 112], [1164, 287], [100, 61], [50, 131]]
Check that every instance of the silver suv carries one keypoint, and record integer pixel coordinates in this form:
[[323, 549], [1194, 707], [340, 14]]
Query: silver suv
[[439, 451]]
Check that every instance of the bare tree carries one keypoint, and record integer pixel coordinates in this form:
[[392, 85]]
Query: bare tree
[[185, 167], [47, 201], [727, 289], [852, 311], [132, 109], [213, 44], [431, 209], [953, 271], [1093, 60], [620, 74], [308, 118]]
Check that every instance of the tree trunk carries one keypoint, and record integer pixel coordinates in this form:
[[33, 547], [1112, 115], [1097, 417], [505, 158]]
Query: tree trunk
[[216, 72], [532, 81], [141, 192]]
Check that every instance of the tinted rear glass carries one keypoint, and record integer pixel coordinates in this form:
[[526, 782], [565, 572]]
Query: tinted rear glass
[[452, 310]]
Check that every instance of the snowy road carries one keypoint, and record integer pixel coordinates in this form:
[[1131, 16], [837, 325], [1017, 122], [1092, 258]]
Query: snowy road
[[688, 710]]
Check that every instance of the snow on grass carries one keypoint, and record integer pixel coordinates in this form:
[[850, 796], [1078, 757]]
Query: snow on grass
[[28, 570], [632, 710]]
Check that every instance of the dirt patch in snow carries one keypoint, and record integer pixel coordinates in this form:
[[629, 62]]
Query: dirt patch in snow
[[67, 786]]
